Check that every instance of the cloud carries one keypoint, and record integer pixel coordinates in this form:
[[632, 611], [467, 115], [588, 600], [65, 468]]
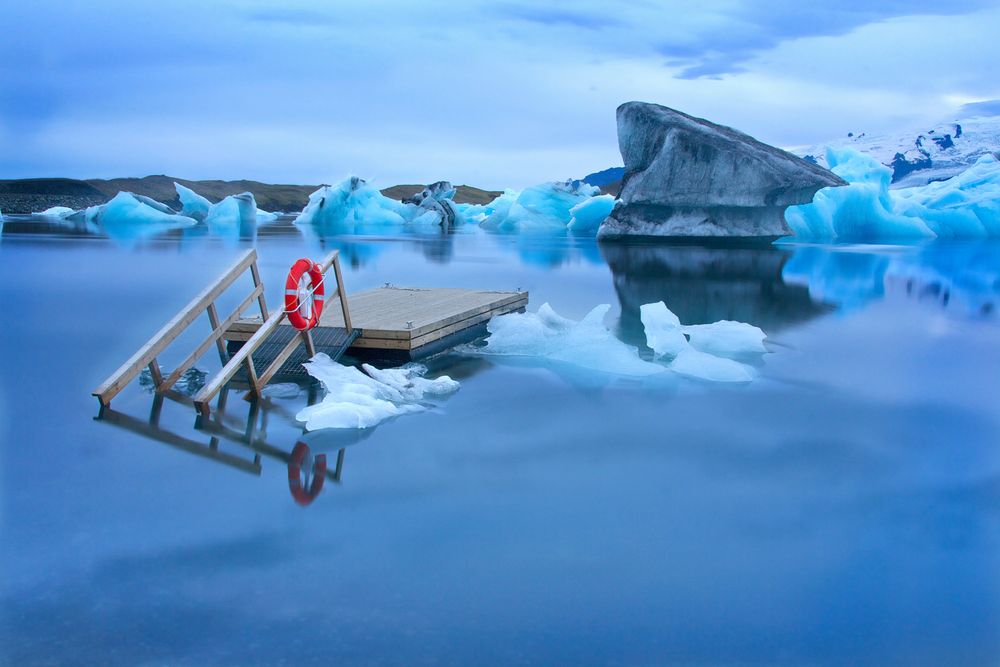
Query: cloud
[[987, 108], [490, 94]]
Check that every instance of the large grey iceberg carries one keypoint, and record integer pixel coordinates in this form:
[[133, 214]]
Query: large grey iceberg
[[685, 176]]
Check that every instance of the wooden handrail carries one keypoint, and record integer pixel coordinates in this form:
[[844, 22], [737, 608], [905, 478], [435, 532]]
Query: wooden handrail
[[146, 355], [244, 357]]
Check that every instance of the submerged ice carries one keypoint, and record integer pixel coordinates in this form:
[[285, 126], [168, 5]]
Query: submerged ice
[[362, 398], [699, 351], [966, 205]]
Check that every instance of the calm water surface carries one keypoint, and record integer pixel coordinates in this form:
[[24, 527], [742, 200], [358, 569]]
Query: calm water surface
[[842, 509]]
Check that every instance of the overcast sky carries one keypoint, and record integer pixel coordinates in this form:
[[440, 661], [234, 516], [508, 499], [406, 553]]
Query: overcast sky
[[494, 94]]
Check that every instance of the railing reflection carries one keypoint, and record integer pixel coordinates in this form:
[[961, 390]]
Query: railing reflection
[[307, 472]]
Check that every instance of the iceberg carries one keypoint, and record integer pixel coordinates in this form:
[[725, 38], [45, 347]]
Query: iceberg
[[438, 198], [966, 205], [193, 205], [545, 207], [356, 207], [234, 214], [126, 217], [587, 216], [363, 398]]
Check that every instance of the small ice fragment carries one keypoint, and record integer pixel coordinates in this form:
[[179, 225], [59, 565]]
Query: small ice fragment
[[357, 400], [726, 337], [663, 329], [696, 364]]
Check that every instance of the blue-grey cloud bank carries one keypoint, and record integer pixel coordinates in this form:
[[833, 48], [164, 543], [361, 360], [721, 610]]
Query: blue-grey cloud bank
[[499, 94]]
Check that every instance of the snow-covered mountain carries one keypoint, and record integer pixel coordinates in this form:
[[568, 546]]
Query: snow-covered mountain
[[920, 156]]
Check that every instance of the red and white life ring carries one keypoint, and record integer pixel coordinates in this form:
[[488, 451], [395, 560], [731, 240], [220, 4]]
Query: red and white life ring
[[300, 494], [304, 294]]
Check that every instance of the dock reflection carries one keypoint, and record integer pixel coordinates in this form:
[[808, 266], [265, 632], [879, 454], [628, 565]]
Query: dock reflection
[[305, 458]]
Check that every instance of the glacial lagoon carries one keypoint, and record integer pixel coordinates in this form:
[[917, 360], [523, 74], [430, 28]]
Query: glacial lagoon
[[841, 508]]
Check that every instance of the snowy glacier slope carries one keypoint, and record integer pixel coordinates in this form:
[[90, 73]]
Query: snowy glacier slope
[[918, 156]]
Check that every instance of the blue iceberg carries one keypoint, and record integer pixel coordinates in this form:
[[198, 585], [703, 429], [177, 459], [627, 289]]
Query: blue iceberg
[[543, 208], [193, 205], [354, 206], [966, 205], [126, 217]]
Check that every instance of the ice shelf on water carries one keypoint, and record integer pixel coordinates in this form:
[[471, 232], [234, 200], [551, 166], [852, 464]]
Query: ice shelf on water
[[354, 206], [547, 207], [589, 345], [363, 398], [966, 205]]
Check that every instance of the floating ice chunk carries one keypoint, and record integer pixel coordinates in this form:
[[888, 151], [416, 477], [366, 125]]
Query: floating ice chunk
[[436, 198], [588, 215], [57, 212], [354, 206], [697, 364], [663, 330], [355, 399], [587, 344], [193, 205], [235, 213], [726, 337], [125, 217], [966, 205], [544, 207]]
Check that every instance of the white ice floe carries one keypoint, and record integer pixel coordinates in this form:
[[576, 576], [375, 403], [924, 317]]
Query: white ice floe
[[362, 399], [705, 354], [590, 345], [587, 344], [55, 212], [966, 205]]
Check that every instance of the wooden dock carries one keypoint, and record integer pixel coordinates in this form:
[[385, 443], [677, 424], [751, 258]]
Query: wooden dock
[[390, 323], [408, 322]]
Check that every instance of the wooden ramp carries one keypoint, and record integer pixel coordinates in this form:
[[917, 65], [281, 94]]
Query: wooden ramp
[[409, 322]]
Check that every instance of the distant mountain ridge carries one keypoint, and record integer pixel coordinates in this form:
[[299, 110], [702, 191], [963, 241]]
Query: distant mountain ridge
[[37, 194]]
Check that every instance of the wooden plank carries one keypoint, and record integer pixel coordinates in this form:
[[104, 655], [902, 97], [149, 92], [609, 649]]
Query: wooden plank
[[443, 321], [213, 319], [383, 312], [215, 336], [413, 343], [162, 338], [261, 301]]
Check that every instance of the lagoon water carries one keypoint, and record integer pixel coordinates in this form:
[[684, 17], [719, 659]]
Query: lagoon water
[[844, 508]]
